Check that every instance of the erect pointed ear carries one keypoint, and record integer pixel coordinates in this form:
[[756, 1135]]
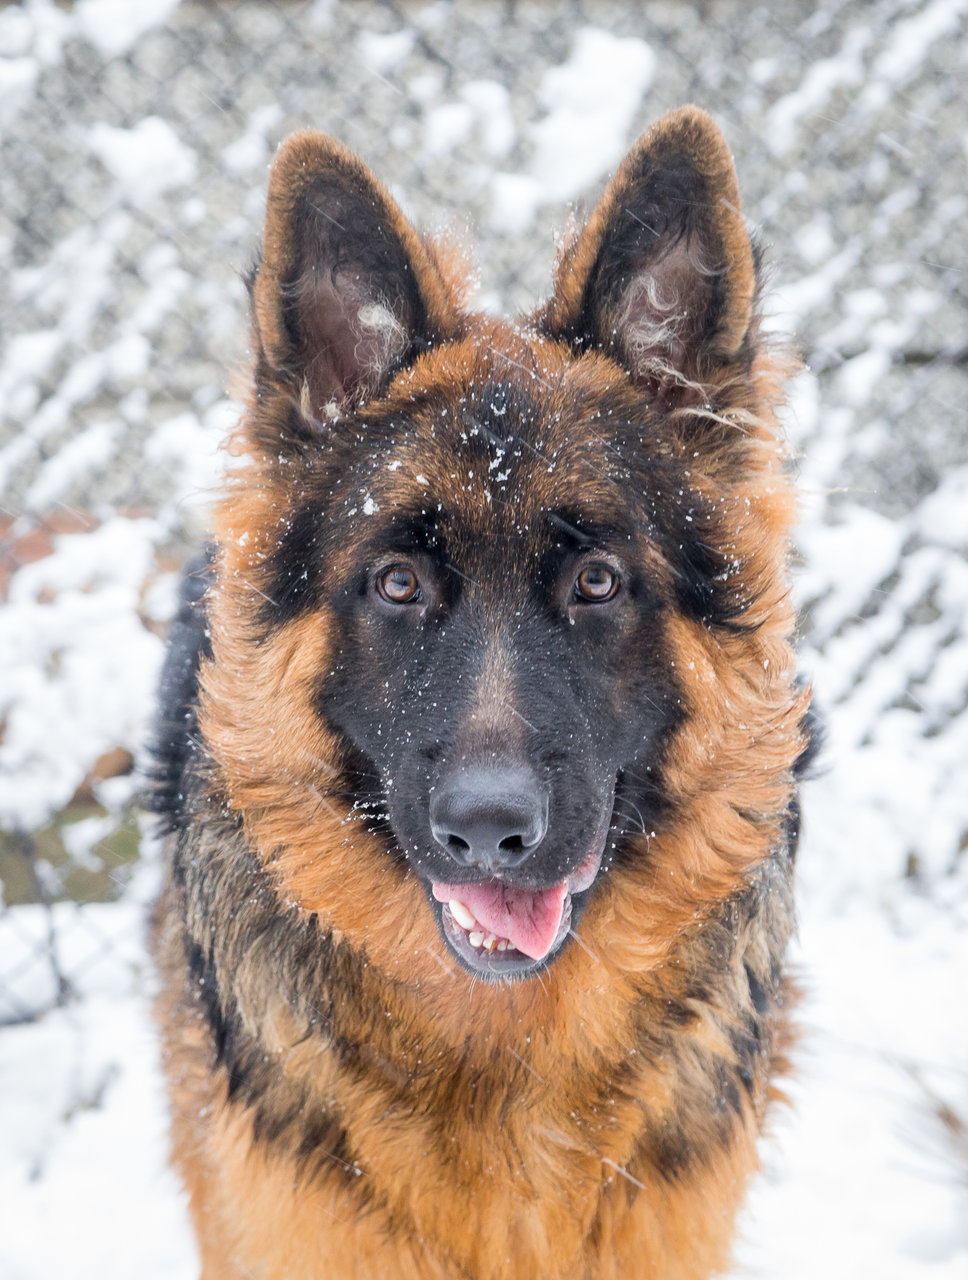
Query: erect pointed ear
[[345, 292], [662, 275]]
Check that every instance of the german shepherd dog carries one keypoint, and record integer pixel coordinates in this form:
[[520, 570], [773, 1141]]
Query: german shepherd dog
[[479, 750]]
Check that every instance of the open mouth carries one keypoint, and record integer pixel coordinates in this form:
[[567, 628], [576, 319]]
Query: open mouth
[[504, 930]]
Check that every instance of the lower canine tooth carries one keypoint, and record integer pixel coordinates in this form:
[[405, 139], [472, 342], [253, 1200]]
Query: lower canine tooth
[[476, 938], [461, 914]]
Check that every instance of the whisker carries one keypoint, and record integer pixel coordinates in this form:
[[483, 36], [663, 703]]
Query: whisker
[[624, 1172], [584, 946], [527, 1065], [635, 807]]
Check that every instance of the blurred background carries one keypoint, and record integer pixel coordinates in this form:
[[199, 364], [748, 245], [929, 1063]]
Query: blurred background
[[134, 144]]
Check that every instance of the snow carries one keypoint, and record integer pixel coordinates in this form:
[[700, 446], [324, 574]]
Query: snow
[[17, 78], [113, 26], [82, 1116], [252, 148], [821, 81], [35, 29], [75, 655], [906, 49], [147, 159], [944, 515], [88, 451], [447, 126], [890, 1185], [189, 449], [590, 100], [492, 104], [29, 356], [860, 1177], [514, 199], [483, 105], [383, 53]]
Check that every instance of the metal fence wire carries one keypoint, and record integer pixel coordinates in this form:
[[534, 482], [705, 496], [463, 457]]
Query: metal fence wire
[[134, 143]]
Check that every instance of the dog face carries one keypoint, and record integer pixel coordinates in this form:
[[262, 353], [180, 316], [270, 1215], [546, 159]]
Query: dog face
[[480, 555], [497, 640]]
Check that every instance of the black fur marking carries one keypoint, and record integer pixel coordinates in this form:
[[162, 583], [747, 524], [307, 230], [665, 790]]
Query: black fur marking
[[728, 1098], [291, 573], [281, 1114], [581, 533], [316, 1134], [814, 727], [791, 827], [580, 537], [720, 1093], [292, 576], [409, 531], [803, 768], [175, 747], [763, 1002], [670, 1150], [324, 1144], [204, 985], [746, 1044], [505, 412], [702, 587]]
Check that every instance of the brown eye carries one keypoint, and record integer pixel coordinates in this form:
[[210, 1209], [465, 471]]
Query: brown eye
[[399, 585], [596, 583]]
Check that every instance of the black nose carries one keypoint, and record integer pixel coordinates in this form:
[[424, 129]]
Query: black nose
[[490, 817]]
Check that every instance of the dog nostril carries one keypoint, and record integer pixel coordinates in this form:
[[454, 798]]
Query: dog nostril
[[490, 818]]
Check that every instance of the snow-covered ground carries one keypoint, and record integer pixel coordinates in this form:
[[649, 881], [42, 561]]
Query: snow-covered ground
[[134, 140]]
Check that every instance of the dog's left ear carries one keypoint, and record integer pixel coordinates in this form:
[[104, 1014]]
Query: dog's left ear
[[346, 292], [662, 275]]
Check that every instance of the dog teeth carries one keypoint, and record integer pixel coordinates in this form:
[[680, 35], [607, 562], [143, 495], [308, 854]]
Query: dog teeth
[[461, 914], [475, 934]]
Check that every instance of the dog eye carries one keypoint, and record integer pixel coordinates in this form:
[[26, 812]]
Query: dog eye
[[399, 585], [596, 583]]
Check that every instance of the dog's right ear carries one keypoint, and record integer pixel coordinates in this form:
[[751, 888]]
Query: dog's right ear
[[346, 293]]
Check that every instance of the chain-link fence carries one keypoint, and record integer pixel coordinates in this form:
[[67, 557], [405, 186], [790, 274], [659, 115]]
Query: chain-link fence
[[134, 143]]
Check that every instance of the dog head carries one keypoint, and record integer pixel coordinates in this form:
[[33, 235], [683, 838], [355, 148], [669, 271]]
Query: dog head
[[486, 590]]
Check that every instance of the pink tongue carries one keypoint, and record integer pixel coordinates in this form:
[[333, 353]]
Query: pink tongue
[[528, 918]]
